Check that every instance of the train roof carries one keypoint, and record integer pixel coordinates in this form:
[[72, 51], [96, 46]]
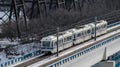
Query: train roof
[[73, 30], [54, 37], [82, 28], [101, 22]]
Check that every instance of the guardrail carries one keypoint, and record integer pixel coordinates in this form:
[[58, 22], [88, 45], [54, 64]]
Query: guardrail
[[20, 58], [38, 52], [113, 24], [78, 54]]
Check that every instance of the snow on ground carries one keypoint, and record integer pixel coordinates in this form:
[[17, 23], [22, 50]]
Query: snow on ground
[[20, 49], [27, 48], [5, 42], [3, 57]]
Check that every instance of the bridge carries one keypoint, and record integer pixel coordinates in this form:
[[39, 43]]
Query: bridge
[[89, 54]]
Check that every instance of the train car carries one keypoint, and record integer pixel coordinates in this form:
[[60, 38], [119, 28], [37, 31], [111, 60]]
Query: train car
[[49, 43], [101, 27], [82, 33], [88, 32], [92, 25], [79, 34]]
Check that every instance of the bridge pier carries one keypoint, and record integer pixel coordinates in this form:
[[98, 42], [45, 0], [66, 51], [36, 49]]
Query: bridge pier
[[105, 62]]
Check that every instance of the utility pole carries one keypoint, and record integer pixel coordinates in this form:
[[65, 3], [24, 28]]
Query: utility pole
[[57, 40], [95, 28]]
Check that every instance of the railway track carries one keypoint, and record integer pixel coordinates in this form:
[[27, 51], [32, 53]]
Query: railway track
[[25, 64]]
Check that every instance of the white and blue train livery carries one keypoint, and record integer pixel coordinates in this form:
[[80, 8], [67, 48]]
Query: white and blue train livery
[[73, 36], [49, 43]]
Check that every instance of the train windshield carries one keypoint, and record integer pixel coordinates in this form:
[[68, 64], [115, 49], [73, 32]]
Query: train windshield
[[45, 44]]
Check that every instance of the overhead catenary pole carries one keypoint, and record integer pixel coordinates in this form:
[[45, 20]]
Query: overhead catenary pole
[[95, 28], [57, 40]]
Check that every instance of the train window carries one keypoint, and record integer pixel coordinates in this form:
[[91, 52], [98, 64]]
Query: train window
[[96, 28], [105, 25], [82, 33], [93, 28], [51, 44], [88, 31], [69, 38], [65, 39], [46, 44], [60, 41], [99, 27], [79, 34], [56, 43], [74, 36]]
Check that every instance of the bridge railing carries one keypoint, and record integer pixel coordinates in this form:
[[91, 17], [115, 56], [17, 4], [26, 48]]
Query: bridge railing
[[113, 24]]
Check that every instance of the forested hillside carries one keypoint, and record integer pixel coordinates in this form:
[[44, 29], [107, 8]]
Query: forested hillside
[[63, 16]]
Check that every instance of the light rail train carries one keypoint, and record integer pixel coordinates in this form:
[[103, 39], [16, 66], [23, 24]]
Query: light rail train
[[73, 36]]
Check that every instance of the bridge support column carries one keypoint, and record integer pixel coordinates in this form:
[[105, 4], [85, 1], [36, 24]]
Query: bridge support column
[[105, 64]]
